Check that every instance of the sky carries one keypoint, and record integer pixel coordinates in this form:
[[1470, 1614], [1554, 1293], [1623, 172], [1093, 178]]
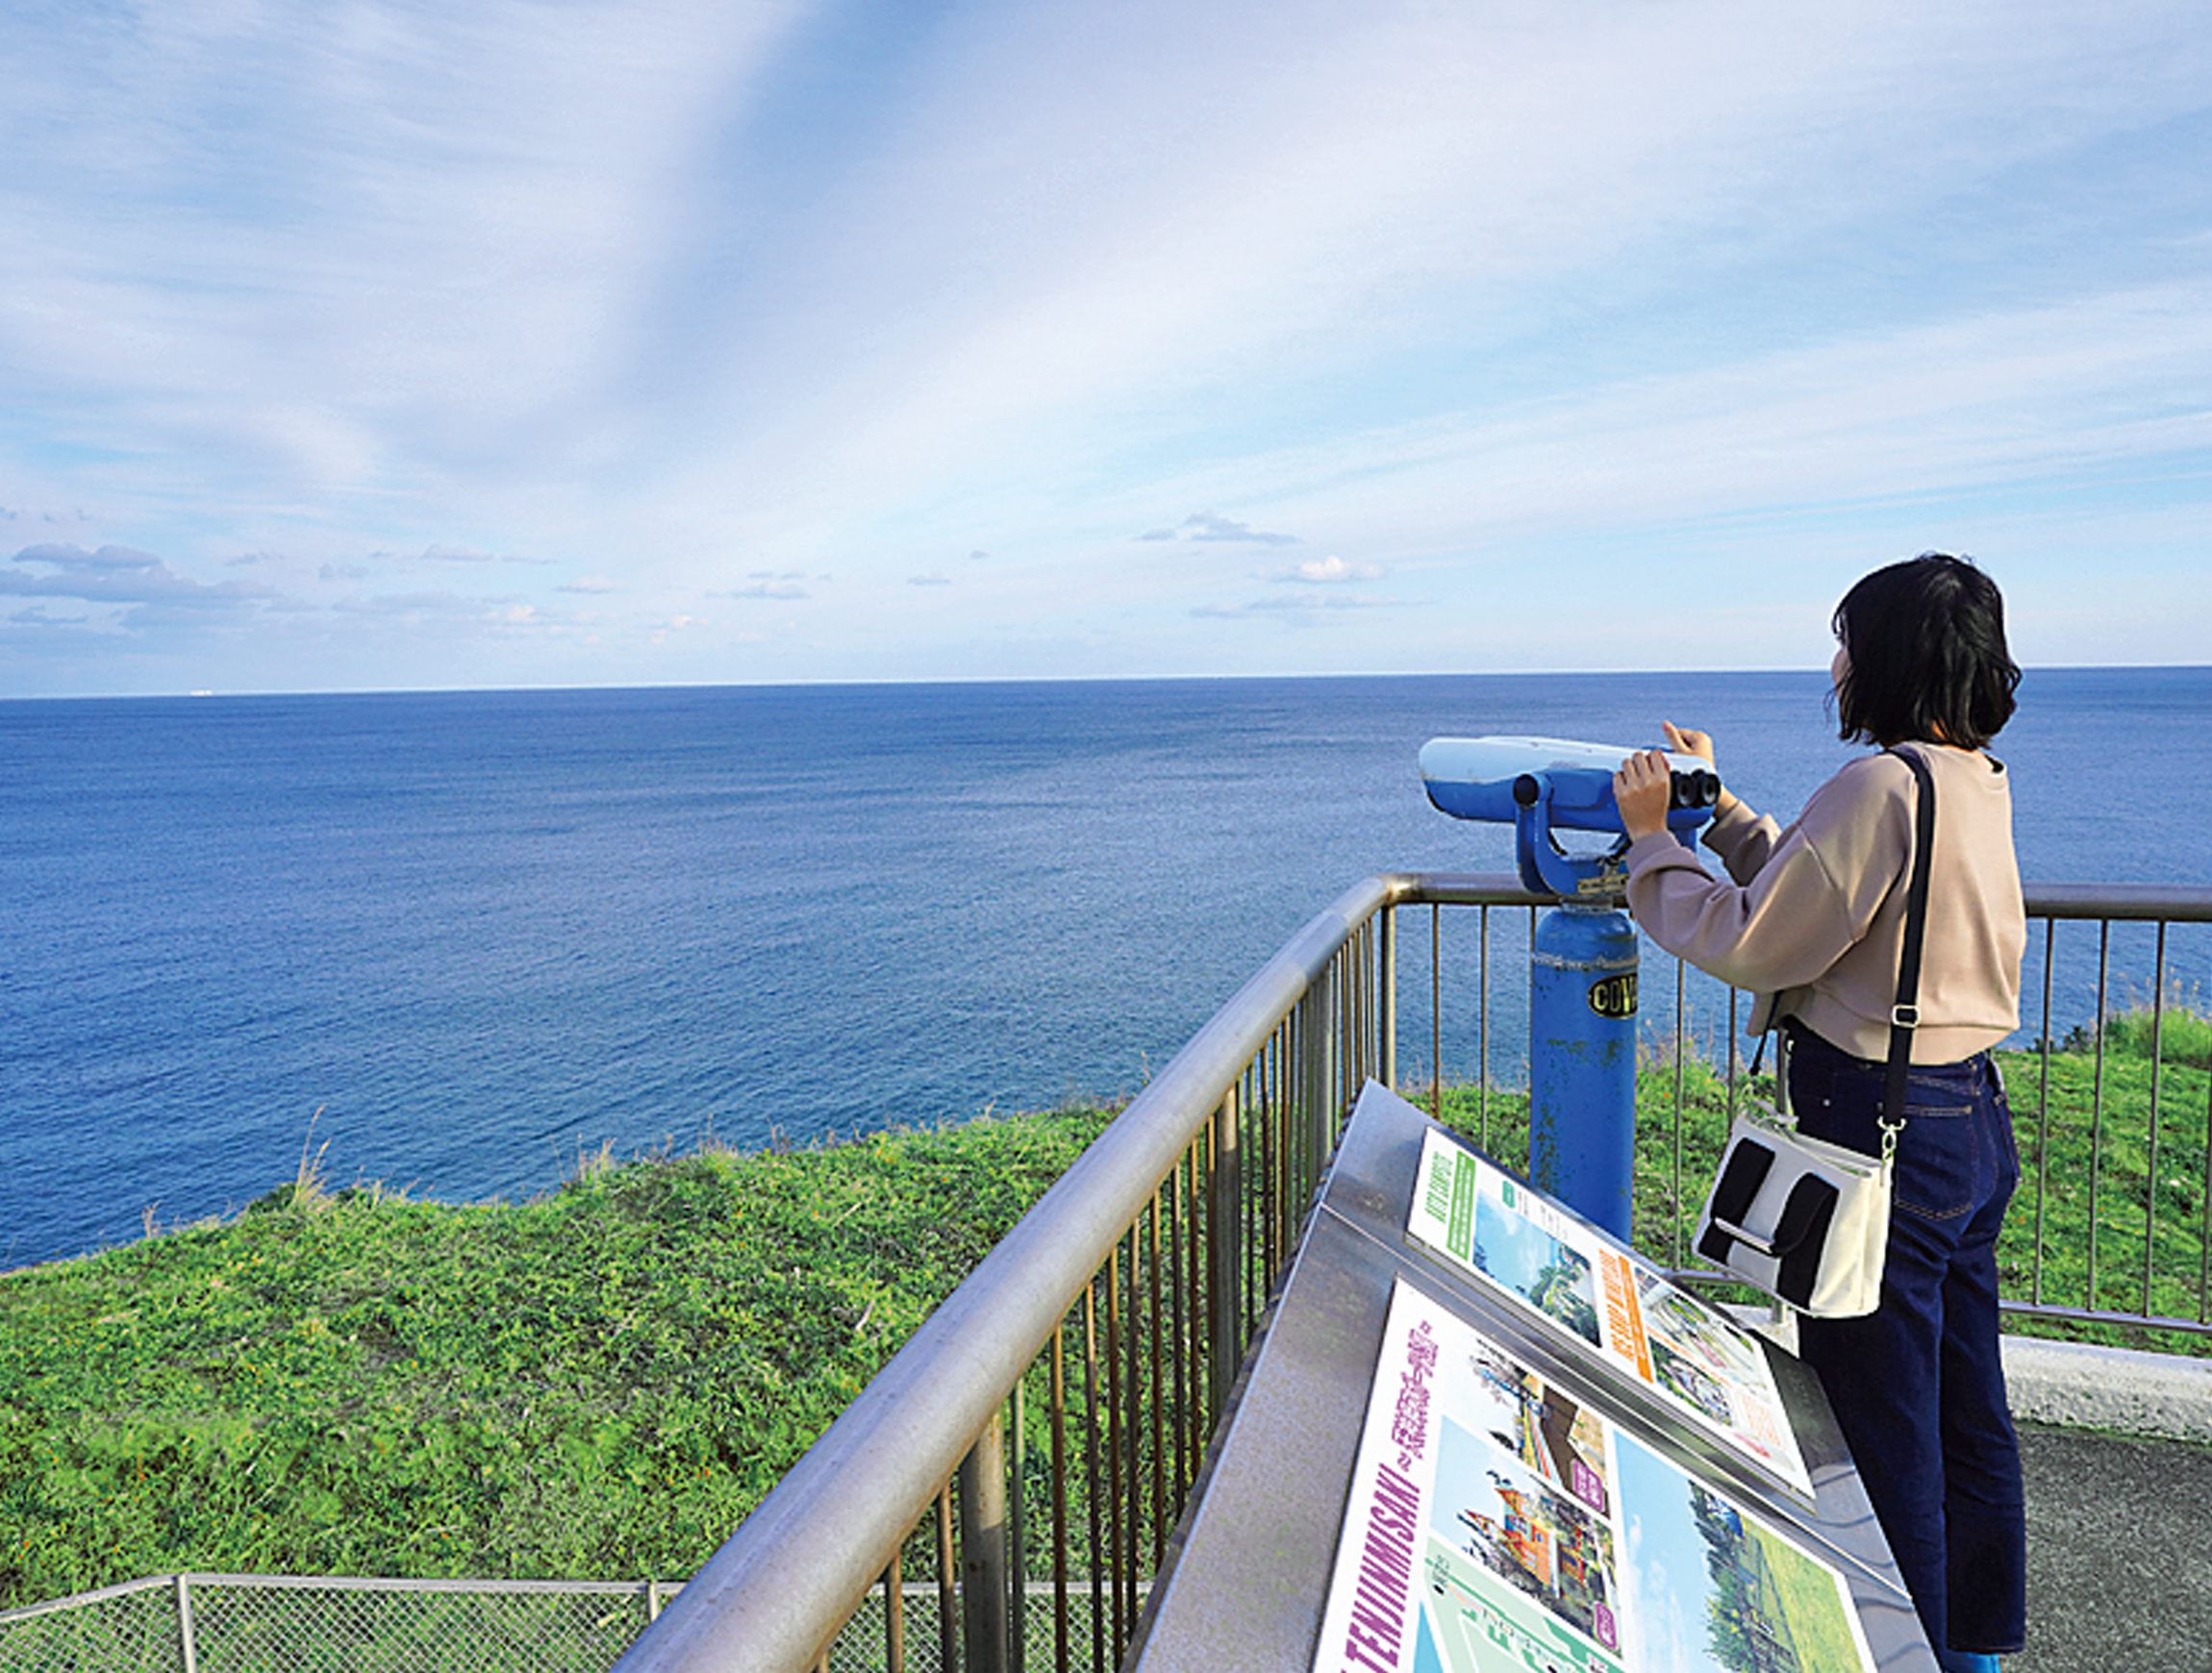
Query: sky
[[375, 345]]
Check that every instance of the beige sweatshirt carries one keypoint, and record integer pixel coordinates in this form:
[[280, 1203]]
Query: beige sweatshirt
[[1813, 920]]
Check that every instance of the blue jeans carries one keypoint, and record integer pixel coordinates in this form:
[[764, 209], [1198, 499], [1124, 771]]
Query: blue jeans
[[1918, 1386]]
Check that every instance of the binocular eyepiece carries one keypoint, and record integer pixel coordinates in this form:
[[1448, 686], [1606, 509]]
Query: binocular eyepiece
[[1699, 787], [1495, 778]]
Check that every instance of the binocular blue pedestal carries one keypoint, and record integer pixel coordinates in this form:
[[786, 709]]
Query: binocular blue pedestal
[[1583, 959]]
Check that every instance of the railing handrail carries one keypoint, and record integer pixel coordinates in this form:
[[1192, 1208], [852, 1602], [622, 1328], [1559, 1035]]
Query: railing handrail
[[763, 1600], [2172, 903]]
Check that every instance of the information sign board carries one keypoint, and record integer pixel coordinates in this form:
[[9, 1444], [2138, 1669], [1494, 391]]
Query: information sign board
[[1479, 1436], [1498, 1525], [1605, 1299]]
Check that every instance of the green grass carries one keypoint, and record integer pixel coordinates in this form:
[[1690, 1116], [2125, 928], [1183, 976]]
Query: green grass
[[600, 1384], [2130, 1200], [1803, 1597]]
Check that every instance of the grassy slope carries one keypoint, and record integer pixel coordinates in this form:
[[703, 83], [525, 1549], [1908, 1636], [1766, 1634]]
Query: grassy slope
[[602, 1383]]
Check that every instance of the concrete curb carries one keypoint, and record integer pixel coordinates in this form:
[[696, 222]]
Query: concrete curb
[[2076, 1385]]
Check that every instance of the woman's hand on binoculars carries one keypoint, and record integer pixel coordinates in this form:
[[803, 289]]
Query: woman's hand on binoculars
[[1642, 790], [1683, 741]]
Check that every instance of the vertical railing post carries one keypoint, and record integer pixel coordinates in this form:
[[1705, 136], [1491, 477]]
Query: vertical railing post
[[1195, 1313], [1350, 1003], [1017, 1535], [1158, 1432], [2097, 1102], [1386, 1006], [2043, 1117], [895, 1616], [1225, 1260], [2204, 1235], [1100, 1564], [947, 1613], [1350, 999], [1681, 1067], [1320, 1074], [1061, 1662], [187, 1651], [1305, 1072], [983, 1593], [2150, 1141], [1359, 1028], [1482, 1032], [1436, 1010]]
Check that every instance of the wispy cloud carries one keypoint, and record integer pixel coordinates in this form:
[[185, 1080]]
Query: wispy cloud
[[427, 607], [469, 555], [1329, 571], [783, 587], [119, 575], [1211, 526], [1295, 608]]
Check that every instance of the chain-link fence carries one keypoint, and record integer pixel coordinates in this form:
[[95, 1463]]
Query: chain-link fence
[[202, 1623], [245, 1623]]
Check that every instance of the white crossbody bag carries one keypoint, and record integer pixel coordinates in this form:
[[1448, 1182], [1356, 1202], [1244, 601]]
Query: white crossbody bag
[[1804, 1220]]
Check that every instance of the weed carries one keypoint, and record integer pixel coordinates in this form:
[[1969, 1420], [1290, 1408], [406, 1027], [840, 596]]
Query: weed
[[2175, 1019], [591, 1165]]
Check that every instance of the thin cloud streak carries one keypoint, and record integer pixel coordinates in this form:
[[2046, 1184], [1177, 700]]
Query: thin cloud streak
[[2040, 395]]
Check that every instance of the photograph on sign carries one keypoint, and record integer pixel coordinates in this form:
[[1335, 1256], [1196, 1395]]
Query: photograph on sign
[[1557, 1265], [1711, 1588], [1498, 1523]]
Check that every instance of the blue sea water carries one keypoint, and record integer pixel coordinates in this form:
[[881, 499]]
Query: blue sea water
[[462, 938]]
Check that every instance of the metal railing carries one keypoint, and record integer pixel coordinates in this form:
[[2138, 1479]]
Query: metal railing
[[1033, 1445], [1103, 1334], [2064, 1205], [2156, 1125], [1090, 1355]]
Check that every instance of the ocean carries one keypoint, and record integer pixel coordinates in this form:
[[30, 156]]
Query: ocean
[[456, 940]]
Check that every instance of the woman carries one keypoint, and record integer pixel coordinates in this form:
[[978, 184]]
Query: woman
[[1811, 918]]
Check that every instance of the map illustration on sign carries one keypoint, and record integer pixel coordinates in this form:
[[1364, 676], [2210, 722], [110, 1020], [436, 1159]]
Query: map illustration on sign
[[1482, 1221], [1498, 1525]]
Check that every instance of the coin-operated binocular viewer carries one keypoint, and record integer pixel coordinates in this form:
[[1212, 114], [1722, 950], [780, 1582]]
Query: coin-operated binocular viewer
[[1583, 959]]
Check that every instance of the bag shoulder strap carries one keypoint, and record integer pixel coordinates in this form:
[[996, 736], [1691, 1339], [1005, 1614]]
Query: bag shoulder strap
[[1904, 1015]]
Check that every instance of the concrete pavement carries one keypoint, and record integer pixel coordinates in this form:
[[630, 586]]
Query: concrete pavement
[[2119, 1508], [2118, 1553], [2116, 1448]]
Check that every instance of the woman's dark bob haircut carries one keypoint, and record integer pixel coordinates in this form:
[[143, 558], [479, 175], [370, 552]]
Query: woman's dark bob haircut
[[1927, 660]]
